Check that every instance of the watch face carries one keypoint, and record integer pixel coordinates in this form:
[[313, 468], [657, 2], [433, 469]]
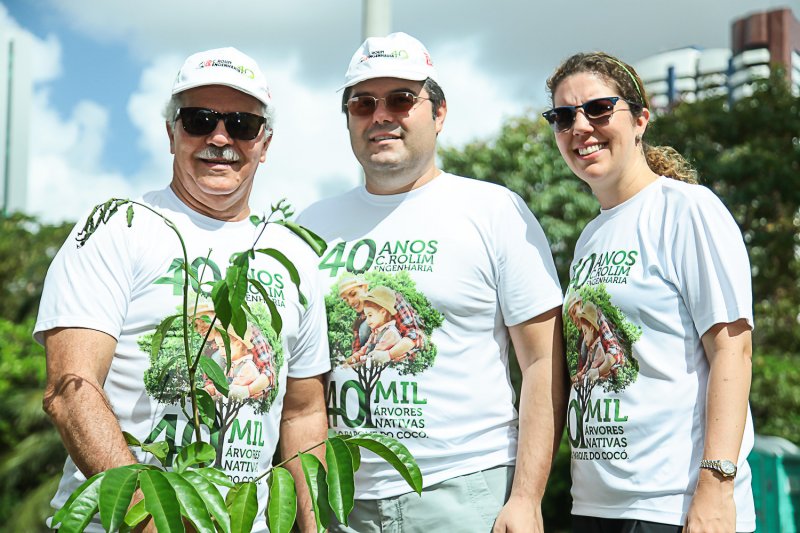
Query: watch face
[[727, 467]]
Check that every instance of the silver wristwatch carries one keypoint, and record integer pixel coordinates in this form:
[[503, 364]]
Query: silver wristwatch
[[723, 466]]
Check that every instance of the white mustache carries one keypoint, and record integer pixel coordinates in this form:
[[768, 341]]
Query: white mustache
[[225, 153]]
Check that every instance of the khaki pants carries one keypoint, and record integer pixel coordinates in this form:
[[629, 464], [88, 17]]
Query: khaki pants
[[464, 504]]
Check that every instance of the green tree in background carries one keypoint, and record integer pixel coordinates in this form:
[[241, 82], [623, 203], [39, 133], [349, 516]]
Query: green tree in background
[[26, 249], [31, 453]]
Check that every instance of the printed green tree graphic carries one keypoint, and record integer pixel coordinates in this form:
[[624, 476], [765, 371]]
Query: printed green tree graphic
[[167, 381], [623, 330], [340, 333]]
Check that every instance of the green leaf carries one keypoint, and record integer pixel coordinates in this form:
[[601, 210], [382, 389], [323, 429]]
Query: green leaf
[[274, 315], [211, 497], [192, 506], [131, 440], [316, 242], [355, 453], [159, 450], [212, 370], [222, 306], [236, 279], [206, 407], [315, 479], [160, 501], [160, 333], [341, 485], [393, 453], [193, 454], [81, 506], [255, 220], [136, 514], [239, 320], [216, 476], [294, 275], [242, 502], [130, 215], [282, 508], [116, 491]]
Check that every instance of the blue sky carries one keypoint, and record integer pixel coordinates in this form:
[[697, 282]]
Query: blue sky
[[102, 73]]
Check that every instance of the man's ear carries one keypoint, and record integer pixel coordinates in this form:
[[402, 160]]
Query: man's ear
[[171, 136], [441, 112], [266, 145]]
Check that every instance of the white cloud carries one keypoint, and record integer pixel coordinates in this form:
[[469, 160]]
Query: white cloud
[[310, 153], [65, 149], [65, 174], [477, 101], [45, 61], [145, 108]]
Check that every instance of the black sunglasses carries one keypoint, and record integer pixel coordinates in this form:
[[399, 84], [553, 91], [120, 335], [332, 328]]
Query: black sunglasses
[[239, 125], [597, 110], [400, 102]]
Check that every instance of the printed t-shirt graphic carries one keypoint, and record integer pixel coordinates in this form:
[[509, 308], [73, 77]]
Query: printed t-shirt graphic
[[256, 359], [599, 341], [421, 289], [397, 336]]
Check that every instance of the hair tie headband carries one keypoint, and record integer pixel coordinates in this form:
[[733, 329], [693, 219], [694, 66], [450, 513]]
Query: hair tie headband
[[633, 78]]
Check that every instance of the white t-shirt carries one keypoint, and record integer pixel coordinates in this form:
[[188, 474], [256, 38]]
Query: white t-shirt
[[659, 269], [124, 281], [470, 260]]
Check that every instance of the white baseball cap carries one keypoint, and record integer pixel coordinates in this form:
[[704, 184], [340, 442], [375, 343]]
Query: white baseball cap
[[398, 55], [223, 66]]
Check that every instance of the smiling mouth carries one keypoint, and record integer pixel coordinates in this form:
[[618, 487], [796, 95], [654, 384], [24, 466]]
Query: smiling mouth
[[587, 150], [379, 138], [217, 161]]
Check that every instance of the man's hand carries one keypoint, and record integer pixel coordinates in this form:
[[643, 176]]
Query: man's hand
[[543, 401], [380, 357], [519, 515]]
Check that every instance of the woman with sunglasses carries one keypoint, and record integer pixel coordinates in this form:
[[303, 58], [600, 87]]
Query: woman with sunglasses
[[660, 443]]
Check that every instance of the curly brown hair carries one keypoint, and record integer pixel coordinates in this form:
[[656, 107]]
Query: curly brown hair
[[663, 160]]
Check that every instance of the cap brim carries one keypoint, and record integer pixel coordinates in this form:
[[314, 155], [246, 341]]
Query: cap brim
[[400, 74], [204, 83]]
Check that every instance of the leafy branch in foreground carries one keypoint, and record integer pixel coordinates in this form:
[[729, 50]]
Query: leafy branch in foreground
[[189, 492]]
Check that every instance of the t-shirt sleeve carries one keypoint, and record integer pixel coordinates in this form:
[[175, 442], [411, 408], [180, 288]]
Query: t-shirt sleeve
[[310, 355], [712, 266], [527, 282], [89, 287]]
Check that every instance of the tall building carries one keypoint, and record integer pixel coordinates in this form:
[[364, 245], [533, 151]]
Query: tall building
[[758, 41], [15, 111], [762, 39]]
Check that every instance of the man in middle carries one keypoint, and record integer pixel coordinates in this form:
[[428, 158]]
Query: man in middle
[[474, 266]]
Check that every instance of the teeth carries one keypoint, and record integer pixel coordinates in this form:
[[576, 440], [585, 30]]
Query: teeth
[[590, 149], [383, 138]]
